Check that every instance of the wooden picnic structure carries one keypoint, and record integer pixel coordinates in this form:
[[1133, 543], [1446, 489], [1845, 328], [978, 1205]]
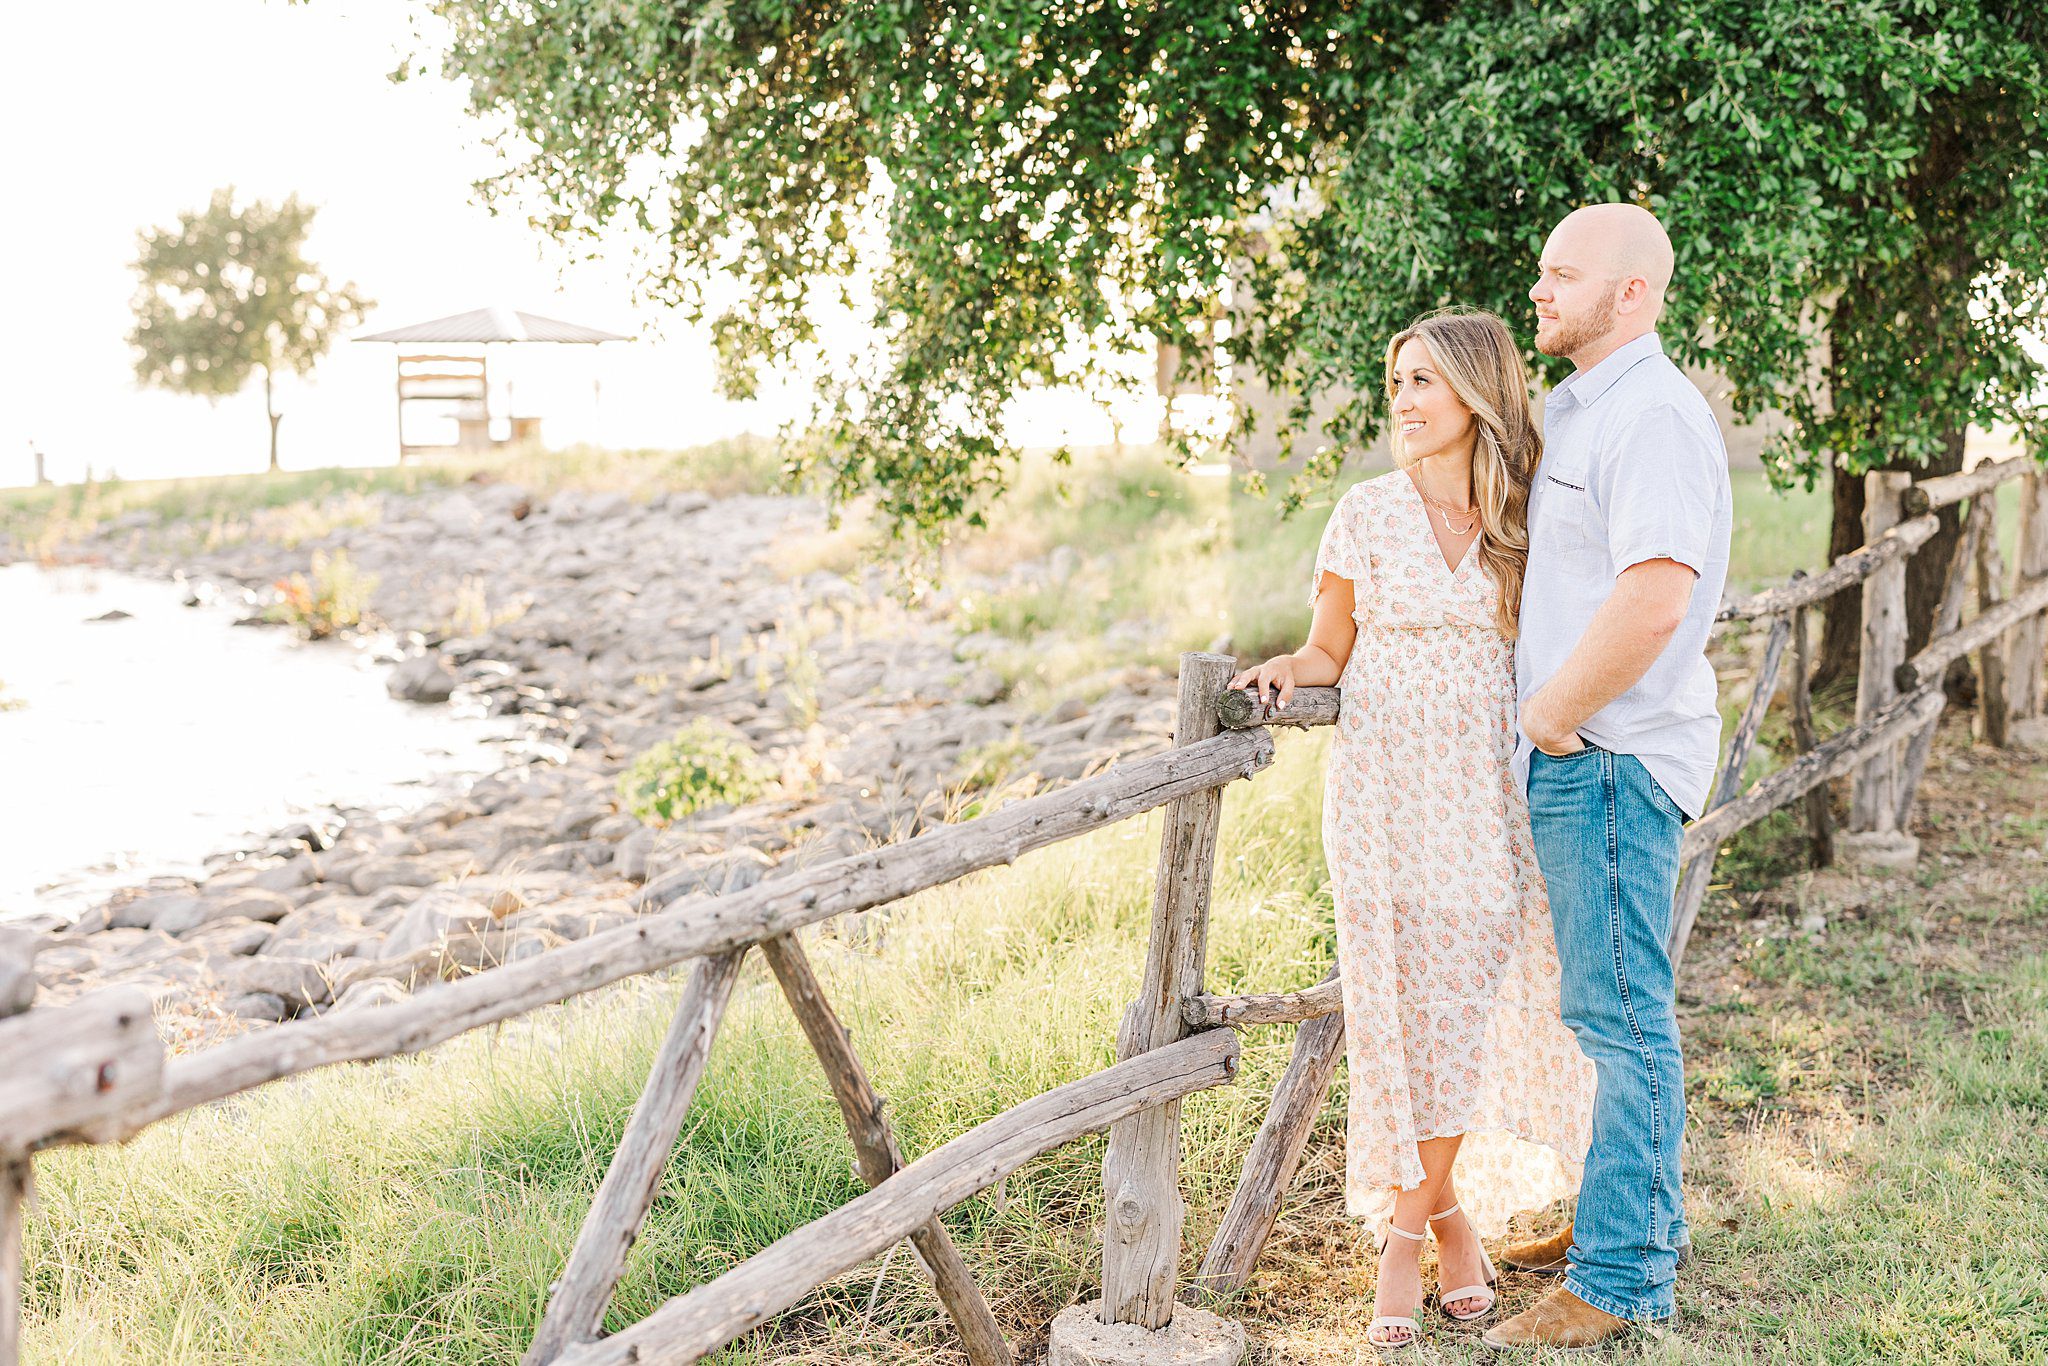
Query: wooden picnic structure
[[93, 1071], [439, 376]]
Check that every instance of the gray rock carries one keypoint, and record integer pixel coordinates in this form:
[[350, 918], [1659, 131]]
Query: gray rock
[[629, 858], [370, 992], [423, 678], [423, 871], [717, 875], [577, 822], [144, 912], [233, 936], [440, 914], [292, 873], [259, 1005]]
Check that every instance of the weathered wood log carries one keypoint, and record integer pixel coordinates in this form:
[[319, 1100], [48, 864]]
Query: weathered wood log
[[1830, 760], [875, 1150], [1235, 709], [18, 945], [1820, 820], [1954, 589], [2025, 666], [1873, 798], [1275, 1154], [1992, 711], [1855, 567], [1143, 1210], [1984, 632], [704, 925], [1944, 490], [576, 1308], [1692, 887], [699, 1322], [74, 1073], [1272, 1007], [14, 1181]]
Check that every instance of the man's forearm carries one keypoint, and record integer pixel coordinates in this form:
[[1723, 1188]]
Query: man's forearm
[[1620, 644]]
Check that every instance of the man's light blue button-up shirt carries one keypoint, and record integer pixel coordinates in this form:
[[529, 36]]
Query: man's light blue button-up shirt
[[1633, 469]]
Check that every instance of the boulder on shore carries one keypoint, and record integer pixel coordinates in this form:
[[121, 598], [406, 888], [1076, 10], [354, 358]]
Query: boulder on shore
[[423, 678]]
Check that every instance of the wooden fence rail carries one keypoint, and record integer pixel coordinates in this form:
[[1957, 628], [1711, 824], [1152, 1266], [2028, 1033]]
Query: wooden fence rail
[[93, 1071]]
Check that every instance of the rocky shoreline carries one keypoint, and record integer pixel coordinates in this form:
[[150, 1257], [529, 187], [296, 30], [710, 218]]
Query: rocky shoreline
[[610, 623]]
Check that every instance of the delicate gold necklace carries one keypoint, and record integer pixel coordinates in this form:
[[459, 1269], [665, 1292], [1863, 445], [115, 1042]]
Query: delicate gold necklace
[[1446, 512]]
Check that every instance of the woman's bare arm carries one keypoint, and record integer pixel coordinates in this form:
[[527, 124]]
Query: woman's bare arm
[[1320, 662]]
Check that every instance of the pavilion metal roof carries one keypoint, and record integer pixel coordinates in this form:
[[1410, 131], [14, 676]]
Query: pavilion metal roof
[[481, 325]]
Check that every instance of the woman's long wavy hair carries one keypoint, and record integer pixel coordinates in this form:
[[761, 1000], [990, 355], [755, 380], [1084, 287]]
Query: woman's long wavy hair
[[1477, 356]]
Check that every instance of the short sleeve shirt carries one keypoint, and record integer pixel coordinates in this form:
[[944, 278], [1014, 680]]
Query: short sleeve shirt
[[1633, 469]]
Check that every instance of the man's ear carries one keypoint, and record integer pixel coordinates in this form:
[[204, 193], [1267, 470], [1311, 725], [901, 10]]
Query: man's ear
[[1635, 291]]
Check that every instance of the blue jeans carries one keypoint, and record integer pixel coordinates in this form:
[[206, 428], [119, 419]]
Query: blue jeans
[[1607, 840]]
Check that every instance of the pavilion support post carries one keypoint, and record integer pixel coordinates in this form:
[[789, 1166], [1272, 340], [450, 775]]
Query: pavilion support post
[[576, 1310], [875, 1150], [1873, 837], [1275, 1154]]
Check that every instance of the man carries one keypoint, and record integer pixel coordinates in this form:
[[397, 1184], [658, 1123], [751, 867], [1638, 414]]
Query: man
[[1628, 549]]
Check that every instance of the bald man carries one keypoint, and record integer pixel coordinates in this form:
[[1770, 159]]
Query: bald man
[[1628, 549]]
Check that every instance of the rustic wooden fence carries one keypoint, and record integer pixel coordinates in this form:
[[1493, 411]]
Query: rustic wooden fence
[[93, 1071]]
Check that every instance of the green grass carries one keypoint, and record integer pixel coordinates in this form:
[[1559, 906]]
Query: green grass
[[1866, 1156], [1867, 1175]]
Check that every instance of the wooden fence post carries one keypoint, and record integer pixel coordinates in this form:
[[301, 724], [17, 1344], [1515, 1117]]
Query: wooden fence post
[[14, 1178], [1692, 886], [1276, 1152], [1820, 822], [1993, 714], [577, 1305], [1141, 1173], [1873, 836], [2025, 667], [874, 1145]]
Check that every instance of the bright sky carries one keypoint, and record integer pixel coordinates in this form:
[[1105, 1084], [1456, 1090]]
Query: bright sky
[[125, 114]]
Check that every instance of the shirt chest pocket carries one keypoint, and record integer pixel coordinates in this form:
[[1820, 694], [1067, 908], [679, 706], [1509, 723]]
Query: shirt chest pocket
[[1568, 523]]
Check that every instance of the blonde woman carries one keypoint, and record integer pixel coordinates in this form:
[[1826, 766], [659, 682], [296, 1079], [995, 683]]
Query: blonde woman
[[1469, 1099]]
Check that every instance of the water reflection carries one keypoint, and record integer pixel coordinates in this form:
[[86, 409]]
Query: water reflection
[[144, 743]]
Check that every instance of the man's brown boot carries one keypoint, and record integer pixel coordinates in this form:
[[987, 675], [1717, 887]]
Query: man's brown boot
[[1560, 1321], [1544, 1256], [1551, 1256]]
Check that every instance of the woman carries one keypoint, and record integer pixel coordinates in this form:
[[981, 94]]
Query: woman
[[1458, 1055]]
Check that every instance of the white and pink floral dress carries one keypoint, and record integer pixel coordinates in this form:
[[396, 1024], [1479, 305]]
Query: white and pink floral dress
[[1444, 944]]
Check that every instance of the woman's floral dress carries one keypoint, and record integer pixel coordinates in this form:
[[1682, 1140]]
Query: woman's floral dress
[[1444, 944]]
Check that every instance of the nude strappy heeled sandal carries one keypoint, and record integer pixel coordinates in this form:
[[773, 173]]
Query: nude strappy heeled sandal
[[1445, 1298], [1381, 1322]]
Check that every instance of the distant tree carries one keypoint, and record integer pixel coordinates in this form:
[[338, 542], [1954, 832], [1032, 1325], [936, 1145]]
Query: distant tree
[[1857, 191], [227, 292]]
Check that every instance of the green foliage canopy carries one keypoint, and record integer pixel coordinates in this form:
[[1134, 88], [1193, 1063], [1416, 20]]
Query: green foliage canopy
[[1856, 190], [227, 292]]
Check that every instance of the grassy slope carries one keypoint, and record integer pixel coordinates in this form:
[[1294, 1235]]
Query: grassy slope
[[1866, 1156]]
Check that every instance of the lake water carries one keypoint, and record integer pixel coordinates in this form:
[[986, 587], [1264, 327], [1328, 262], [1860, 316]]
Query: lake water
[[142, 745]]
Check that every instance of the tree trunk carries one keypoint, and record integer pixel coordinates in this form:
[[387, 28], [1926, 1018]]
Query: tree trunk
[[270, 411], [1841, 636]]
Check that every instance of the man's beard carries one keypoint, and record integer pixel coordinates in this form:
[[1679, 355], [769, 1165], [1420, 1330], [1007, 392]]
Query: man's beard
[[1575, 334]]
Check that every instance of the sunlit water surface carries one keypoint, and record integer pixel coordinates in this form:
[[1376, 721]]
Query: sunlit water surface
[[140, 746]]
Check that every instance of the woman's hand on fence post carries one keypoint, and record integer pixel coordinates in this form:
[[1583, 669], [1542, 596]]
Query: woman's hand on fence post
[[1271, 684]]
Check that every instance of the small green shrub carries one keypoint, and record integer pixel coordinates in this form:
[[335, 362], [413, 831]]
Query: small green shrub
[[702, 765], [332, 600]]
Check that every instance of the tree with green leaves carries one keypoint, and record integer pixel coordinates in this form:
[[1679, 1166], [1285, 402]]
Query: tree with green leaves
[[226, 292], [1857, 192]]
